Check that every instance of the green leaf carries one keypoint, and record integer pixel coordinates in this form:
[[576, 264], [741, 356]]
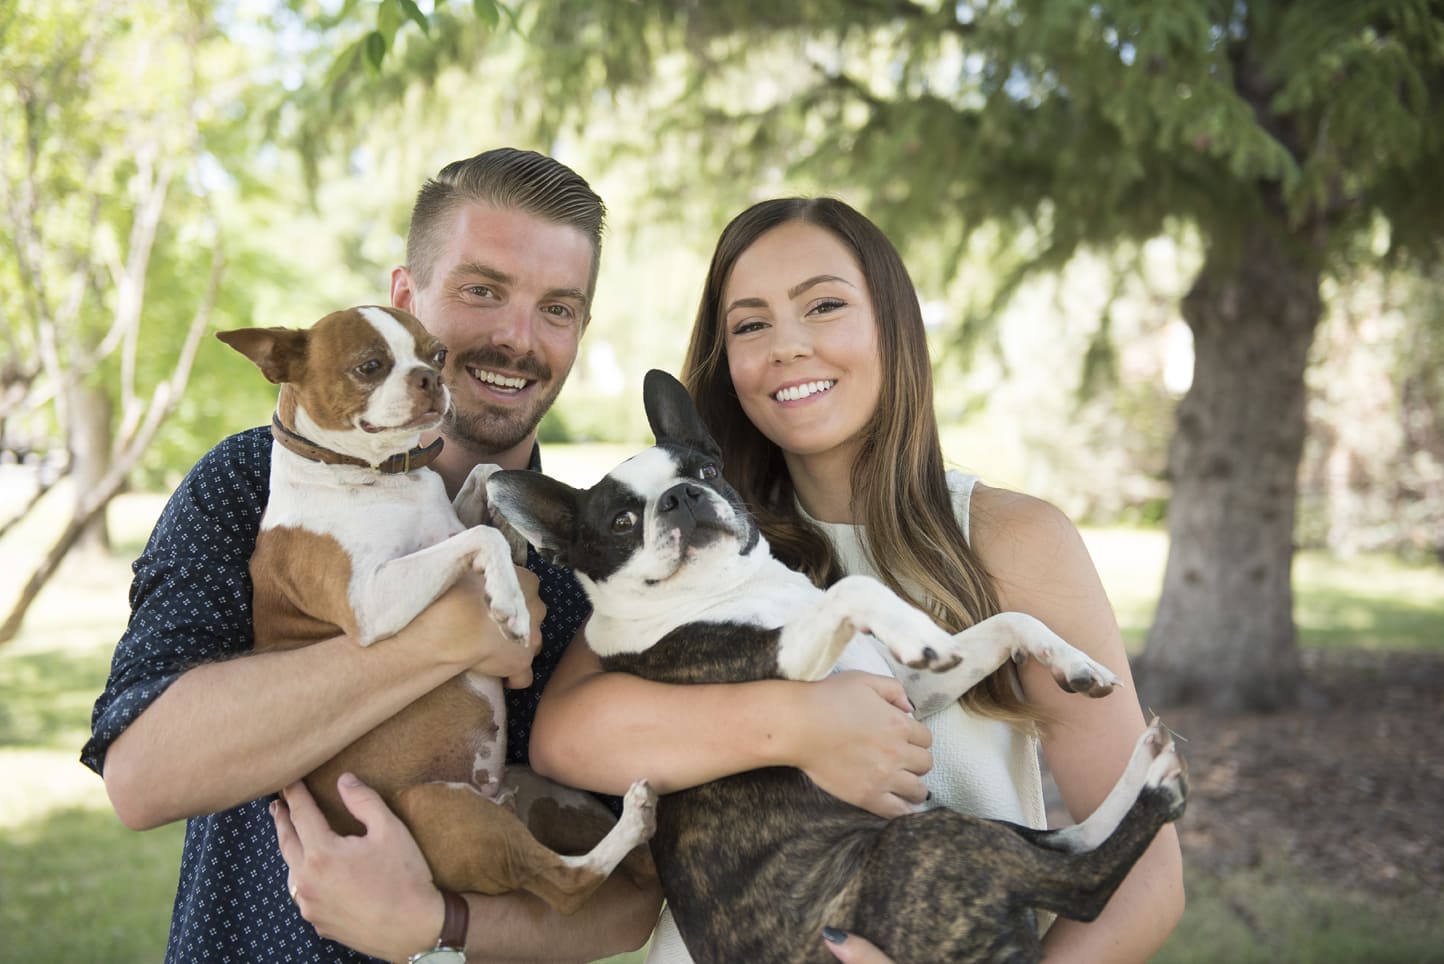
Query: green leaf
[[417, 17], [487, 12], [388, 19], [375, 50], [342, 64]]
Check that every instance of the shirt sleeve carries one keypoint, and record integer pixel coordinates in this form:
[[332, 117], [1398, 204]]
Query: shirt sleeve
[[190, 598]]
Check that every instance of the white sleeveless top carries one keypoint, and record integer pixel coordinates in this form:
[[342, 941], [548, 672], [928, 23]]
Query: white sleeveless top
[[980, 766]]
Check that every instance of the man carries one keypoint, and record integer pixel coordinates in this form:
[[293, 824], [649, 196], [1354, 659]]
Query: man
[[502, 260]]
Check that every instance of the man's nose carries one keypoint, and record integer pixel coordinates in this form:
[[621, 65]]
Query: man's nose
[[513, 328]]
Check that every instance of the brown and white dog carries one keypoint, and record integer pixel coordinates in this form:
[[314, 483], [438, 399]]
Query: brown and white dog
[[684, 590], [358, 537]]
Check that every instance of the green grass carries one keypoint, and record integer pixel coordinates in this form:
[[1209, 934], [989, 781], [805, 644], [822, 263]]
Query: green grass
[[76, 886], [1268, 915]]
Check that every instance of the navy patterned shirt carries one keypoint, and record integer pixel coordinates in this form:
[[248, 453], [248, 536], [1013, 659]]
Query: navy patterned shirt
[[191, 603]]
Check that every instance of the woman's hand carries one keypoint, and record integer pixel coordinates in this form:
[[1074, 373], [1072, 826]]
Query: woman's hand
[[851, 948], [859, 742], [371, 893]]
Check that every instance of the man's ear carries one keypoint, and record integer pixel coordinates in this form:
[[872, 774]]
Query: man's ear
[[672, 415], [403, 295], [280, 353], [541, 508]]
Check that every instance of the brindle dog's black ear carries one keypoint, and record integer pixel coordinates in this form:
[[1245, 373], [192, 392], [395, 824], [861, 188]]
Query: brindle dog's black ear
[[542, 509], [672, 415]]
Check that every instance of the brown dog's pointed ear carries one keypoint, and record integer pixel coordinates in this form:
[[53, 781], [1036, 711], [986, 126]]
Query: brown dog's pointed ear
[[280, 353], [542, 509]]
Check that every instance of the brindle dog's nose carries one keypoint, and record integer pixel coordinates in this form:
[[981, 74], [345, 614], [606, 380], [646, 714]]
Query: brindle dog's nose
[[679, 496]]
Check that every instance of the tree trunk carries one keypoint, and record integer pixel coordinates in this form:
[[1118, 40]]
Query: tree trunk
[[1224, 633], [90, 444]]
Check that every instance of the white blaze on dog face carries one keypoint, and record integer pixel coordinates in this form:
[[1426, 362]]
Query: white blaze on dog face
[[372, 383], [684, 519]]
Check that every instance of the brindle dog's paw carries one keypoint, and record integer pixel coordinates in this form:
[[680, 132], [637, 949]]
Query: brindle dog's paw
[[1168, 771]]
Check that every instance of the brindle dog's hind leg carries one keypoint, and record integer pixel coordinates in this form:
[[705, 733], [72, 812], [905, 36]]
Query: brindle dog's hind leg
[[1105, 846], [943, 886]]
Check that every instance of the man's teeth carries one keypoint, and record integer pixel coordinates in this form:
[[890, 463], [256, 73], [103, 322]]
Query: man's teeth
[[500, 381], [802, 391]]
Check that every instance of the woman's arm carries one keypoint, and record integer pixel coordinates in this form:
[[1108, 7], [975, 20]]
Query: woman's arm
[[851, 733], [1041, 567]]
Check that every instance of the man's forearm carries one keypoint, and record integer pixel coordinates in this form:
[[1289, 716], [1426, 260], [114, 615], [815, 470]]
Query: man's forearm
[[523, 928], [232, 731]]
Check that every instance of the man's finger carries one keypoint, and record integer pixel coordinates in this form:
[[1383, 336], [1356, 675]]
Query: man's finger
[[305, 816], [364, 803], [290, 844]]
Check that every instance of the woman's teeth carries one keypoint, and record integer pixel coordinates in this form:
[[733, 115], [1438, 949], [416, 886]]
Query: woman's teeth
[[802, 391], [499, 381]]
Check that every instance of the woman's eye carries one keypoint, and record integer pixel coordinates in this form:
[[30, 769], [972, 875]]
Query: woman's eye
[[707, 472], [747, 327], [624, 522], [827, 305]]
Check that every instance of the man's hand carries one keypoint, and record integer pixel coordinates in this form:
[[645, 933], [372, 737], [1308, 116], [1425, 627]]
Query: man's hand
[[860, 743], [461, 618], [371, 893]]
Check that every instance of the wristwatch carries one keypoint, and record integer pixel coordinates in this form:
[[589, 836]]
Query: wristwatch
[[451, 945]]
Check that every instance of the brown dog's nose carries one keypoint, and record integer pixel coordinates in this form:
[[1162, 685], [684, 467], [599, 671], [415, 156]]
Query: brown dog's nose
[[423, 379]]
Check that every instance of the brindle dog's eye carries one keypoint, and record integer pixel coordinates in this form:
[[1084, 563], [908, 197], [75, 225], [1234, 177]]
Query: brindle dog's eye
[[439, 359], [707, 472], [624, 522]]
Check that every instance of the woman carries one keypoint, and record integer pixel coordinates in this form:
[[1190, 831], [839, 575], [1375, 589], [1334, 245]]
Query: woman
[[809, 361]]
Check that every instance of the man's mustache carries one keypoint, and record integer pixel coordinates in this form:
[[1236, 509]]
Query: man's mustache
[[528, 366]]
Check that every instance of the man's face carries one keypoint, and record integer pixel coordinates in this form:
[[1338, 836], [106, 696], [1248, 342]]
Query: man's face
[[508, 298]]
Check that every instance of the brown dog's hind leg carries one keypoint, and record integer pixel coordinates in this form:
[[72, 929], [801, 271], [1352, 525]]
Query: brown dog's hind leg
[[472, 844]]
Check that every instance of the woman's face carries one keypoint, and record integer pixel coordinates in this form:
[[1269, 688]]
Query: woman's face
[[802, 344]]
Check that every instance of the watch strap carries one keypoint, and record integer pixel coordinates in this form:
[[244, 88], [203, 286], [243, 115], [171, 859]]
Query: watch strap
[[455, 922]]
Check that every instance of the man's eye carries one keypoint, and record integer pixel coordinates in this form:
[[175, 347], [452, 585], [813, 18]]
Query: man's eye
[[708, 472], [481, 291], [624, 522]]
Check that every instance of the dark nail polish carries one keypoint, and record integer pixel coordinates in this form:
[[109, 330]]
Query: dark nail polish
[[833, 936]]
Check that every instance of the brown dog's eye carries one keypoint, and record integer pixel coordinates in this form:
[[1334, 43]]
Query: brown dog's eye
[[707, 472], [369, 367], [624, 522]]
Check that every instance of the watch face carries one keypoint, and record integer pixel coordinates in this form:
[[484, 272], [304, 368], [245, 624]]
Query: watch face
[[444, 955]]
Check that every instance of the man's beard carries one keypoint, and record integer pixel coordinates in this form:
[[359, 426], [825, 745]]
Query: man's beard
[[498, 429]]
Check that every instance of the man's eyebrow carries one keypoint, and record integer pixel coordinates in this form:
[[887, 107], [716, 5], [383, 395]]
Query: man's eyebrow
[[476, 269]]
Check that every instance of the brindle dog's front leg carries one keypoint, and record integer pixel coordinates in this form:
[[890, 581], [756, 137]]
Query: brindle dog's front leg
[[812, 642], [991, 643]]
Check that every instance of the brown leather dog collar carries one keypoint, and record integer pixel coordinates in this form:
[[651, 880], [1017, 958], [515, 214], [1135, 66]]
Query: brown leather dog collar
[[400, 462]]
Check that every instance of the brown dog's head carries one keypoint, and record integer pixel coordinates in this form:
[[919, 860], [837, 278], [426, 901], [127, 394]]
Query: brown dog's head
[[363, 381]]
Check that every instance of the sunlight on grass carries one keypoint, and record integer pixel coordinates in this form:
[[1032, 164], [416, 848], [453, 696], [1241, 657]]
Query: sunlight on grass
[[64, 857]]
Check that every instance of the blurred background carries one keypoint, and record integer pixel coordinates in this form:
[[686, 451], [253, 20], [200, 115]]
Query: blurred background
[[1180, 265]]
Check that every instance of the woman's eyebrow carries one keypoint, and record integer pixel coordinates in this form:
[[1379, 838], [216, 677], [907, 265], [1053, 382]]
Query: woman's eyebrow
[[798, 289]]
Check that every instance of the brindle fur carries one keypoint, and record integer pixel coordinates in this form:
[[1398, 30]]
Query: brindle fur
[[754, 865]]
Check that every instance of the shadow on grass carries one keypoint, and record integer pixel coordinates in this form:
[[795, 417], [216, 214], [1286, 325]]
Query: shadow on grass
[[48, 696], [79, 887], [1273, 914]]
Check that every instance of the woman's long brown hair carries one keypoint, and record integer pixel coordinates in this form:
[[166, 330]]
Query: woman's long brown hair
[[899, 489]]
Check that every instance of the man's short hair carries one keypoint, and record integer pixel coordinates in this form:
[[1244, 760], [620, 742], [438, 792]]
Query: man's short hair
[[506, 178]]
